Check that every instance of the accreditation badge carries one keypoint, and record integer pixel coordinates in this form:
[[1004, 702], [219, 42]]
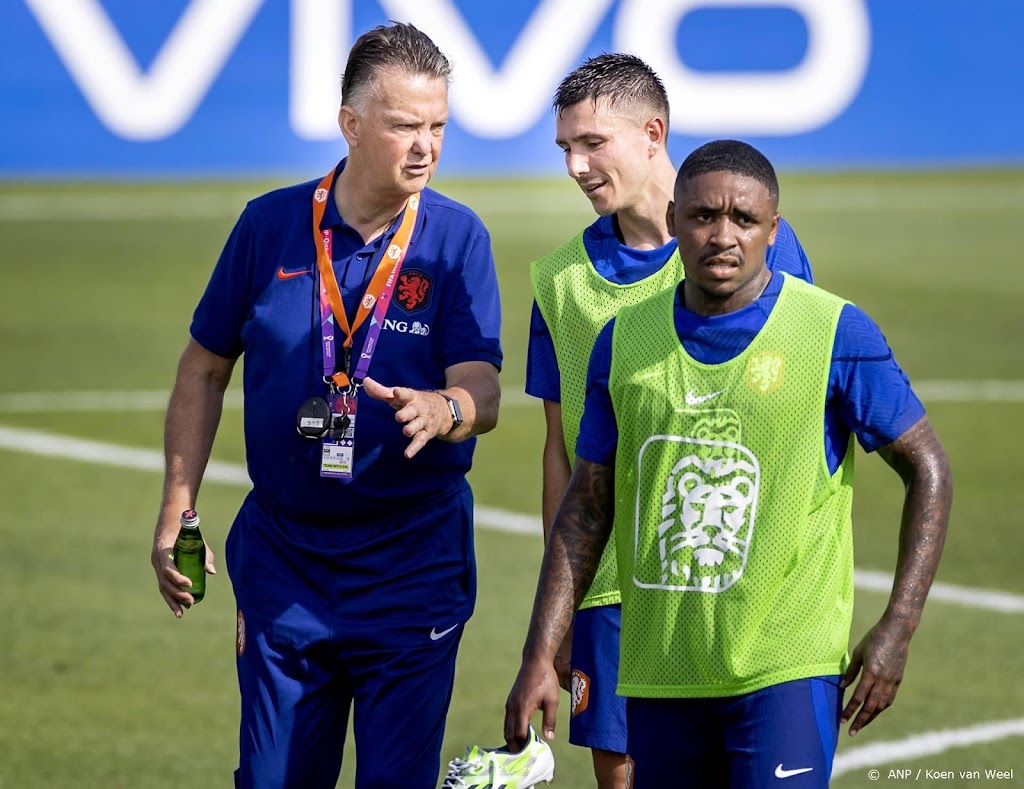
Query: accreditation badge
[[339, 444]]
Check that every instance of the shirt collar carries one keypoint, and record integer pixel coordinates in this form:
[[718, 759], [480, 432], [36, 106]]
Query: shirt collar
[[332, 218]]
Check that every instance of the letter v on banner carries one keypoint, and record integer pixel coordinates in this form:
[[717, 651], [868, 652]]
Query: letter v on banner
[[503, 102], [133, 104]]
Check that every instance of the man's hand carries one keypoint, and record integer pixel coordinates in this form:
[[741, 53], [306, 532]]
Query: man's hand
[[573, 551], [168, 579], [536, 688], [193, 414], [880, 658], [424, 415]]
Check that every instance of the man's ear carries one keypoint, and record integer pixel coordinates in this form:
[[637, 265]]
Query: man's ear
[[656, 132], [349, 123], [670, 218], [774, 230]]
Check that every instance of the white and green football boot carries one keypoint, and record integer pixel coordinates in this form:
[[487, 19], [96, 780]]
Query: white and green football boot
[[499, 768]]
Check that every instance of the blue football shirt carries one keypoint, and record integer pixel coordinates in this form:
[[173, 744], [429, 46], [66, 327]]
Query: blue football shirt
[[261, 302], [624, 265], [868, 392]]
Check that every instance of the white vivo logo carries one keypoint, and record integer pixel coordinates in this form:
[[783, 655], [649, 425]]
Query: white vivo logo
[[491, 103], [136, 105], [810, 95]]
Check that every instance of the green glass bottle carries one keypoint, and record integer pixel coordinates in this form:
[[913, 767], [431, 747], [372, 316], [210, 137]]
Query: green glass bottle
[[190, 554]]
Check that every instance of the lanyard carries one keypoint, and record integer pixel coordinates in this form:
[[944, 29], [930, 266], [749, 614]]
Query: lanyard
[[377, 296]]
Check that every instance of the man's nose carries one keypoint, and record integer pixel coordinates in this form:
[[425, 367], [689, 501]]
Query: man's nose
[[723, 232], [576, 164], [422, 142]]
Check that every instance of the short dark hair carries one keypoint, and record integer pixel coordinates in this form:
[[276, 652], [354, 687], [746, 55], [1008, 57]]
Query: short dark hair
[[398, 45], [625, 80], [730, 156]]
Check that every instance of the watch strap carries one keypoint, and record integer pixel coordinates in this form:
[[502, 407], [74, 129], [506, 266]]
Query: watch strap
[[454, 409]]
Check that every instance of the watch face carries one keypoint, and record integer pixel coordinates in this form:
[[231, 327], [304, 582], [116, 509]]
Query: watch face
[[456, 411]]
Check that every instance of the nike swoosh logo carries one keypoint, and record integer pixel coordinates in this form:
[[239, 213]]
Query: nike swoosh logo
[[780, 773], [282, 274], [434, 635], [693, 399]]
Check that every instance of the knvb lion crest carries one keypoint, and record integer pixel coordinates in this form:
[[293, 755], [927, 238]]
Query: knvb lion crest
[[708, 506], [412, 293], [765, 372], [580, 691], [240, 632]]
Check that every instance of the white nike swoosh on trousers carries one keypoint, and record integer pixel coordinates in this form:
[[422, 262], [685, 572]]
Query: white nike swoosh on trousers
[[780, 773], [434, 635]]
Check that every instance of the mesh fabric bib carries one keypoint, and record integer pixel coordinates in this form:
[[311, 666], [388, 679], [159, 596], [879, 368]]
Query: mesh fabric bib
[[576, 303], [734, 542]]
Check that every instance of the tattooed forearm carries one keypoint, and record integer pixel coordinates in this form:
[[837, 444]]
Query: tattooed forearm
[[581, 529], [919, 459]]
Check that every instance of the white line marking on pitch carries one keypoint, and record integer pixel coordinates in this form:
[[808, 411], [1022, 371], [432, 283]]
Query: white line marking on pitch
[[926, 744], [47, 444], [511, 397], [37, 442], [958, 595], [540, 198]]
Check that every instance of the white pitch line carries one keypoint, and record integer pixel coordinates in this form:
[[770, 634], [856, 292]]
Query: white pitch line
[[67, 448], [540, 198], [44, 402], [511, 396], [37, 442], [926, 744], [970, 391], [957, 595]]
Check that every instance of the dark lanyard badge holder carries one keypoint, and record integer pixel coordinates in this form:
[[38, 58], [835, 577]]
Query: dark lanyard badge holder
[[315, 418]]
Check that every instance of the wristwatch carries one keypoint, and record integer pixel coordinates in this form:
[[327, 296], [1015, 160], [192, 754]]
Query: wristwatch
[[454, 410]]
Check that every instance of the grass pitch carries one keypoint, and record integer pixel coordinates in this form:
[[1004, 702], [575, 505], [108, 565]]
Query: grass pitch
[[103, 688]]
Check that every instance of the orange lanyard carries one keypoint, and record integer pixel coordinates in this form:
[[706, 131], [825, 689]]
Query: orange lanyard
[[381, 284]]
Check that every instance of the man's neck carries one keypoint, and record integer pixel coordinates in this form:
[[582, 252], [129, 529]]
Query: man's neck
[[366, 212], [644, 225], [696, 300]]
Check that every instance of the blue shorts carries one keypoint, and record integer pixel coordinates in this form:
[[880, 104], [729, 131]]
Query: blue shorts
[[356, 616], [598, 718], [784, 735]]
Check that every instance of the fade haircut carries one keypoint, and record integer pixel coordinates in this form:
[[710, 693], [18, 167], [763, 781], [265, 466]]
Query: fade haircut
[[399, 46], [730, 156], [624, 80]]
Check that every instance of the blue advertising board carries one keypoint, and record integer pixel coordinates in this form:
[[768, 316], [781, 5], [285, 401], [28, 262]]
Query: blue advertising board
[[243, 87]]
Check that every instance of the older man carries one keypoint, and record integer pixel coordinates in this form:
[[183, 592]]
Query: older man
[[352, 557]]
